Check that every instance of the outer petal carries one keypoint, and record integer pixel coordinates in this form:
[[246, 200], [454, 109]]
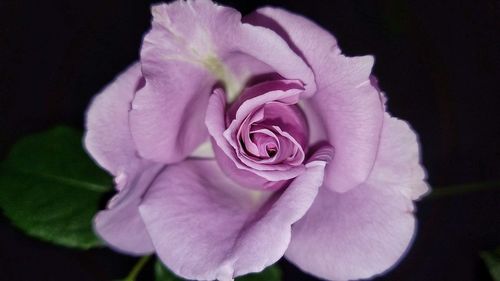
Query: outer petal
[[352, 113], [120, 224], [365, 231], [192, 45], [108, 137], [193, 206], [346, 104], [398, 164]]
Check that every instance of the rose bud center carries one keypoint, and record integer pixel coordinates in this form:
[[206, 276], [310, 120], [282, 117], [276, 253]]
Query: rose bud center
[[274, 133], [267, 132]]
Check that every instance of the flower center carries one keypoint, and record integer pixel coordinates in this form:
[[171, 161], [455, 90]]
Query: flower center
[[265, 133], [274, 133]]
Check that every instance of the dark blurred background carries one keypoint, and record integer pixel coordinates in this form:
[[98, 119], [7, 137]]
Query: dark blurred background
[[438, 62]]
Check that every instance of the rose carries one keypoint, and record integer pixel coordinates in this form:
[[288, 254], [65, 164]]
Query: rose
[[307, 162]]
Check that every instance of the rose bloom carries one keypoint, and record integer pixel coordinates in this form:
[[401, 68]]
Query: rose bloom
[[237, 141]]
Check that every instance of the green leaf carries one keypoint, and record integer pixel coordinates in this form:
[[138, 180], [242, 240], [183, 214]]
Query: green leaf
[[492, 260], [272, 273], [51, 189], [163, 274]]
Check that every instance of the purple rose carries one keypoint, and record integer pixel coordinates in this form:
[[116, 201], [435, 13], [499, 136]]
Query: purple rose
[[237, 141]]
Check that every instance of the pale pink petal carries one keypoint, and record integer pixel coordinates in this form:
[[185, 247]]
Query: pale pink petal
[[243, 177], [286, 91], [108, 137], [365, 231], [346, 105], [290, 119], [191, 46], [206, 227], [120, 225], [398, 164], [352, 113], [167, 113]]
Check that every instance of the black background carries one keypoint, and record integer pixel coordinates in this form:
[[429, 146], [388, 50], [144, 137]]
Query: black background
[[436, 60]]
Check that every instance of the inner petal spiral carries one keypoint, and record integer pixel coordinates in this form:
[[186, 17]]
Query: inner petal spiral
[[273, 132]]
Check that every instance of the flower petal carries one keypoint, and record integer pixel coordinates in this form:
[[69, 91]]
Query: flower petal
[[120, 225], [398, 164], [364, 231], [346, 103], [193, 206], [216, 125], [192, 45], [108, 137], [243, 177]]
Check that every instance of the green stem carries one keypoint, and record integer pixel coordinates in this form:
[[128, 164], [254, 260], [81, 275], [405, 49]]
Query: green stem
[[137, 268], [462, 188]]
